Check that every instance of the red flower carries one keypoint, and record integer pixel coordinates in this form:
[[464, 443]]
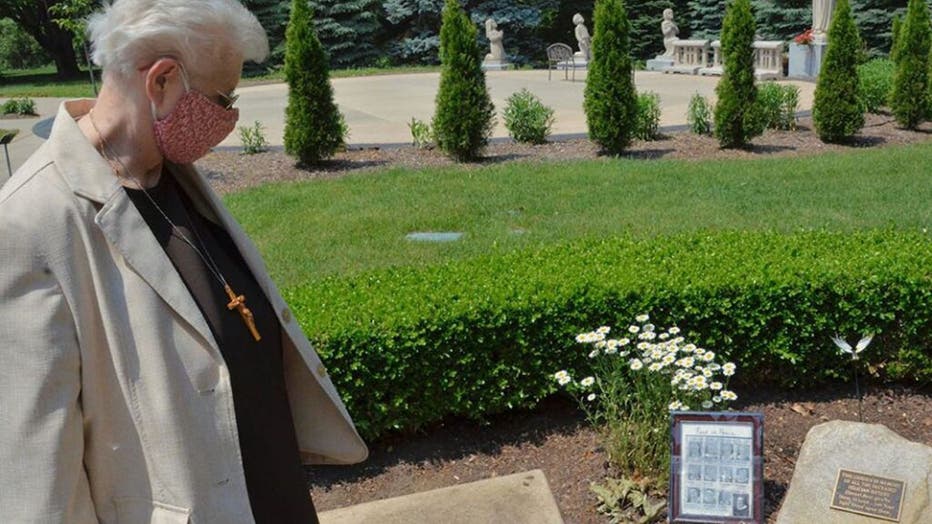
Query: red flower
[[804, 38]]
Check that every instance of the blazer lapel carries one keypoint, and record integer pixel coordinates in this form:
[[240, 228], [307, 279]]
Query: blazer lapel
[[90, 177]]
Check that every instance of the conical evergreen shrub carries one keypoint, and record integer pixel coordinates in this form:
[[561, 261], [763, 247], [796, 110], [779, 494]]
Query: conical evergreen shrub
[[895, 36], [464, 112], [314, 128], [736, 115], [837, 111], [911, 80], [610, 99]]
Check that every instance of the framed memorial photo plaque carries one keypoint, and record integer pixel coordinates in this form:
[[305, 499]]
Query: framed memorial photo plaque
[[716, 467]]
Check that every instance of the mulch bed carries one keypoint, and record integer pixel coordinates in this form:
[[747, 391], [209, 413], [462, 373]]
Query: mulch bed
[[230, 171], [554, 437]]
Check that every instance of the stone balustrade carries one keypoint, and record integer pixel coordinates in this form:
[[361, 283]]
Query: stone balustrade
[[768, 59], [717, 66], [689, 56]]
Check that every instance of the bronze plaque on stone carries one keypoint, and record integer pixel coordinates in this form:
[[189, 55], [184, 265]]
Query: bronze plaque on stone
[[868, 495]]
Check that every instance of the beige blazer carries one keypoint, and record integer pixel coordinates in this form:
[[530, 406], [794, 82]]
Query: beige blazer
[[115, 403]]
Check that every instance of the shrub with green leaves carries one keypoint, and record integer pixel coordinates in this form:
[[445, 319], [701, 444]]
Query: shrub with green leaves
[[699, 115], [422, 136], [911, 80], [464, 114], [876, 83], [777, 105], [648, 121], [19, 106], [837, 111], [527, 118], [736, 118], [314, 127], [610, 99], [409, 346], [253, 138]]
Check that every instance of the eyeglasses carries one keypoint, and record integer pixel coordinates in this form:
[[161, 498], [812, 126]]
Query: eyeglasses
[[226, 101]]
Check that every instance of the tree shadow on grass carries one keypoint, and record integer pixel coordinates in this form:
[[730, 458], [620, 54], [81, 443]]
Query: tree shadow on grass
[[340, 165], [648, 154], [458, 438], [501, 159]]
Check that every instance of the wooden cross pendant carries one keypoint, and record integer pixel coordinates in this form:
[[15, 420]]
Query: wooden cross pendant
[[238, 302]]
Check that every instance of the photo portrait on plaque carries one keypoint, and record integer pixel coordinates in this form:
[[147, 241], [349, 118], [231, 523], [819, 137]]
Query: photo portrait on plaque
[[716, 467]]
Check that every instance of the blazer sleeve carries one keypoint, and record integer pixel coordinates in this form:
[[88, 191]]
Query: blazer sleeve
[[42, 474]]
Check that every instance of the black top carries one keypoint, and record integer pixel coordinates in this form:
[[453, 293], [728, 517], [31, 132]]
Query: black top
[[274, 477]]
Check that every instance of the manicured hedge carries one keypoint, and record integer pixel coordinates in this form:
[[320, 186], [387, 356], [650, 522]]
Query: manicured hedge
[[409, 346]]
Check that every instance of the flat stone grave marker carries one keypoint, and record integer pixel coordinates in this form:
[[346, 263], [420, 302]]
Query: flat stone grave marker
[[434, 236], [855, 473]]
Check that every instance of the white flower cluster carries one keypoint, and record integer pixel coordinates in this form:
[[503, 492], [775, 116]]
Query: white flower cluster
[[691, 370]]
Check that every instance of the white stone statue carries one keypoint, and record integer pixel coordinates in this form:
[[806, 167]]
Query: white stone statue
[[669, 29], [497, 51], [582, 37], [822, 11]]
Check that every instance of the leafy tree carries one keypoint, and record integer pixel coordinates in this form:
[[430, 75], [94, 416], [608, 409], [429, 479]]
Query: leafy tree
[[911, 81], [610, 99], [895, 36], [347, 29], [838, 112], [736, 118], [19, 50], [314, 128], [465, 115], [35, 19]]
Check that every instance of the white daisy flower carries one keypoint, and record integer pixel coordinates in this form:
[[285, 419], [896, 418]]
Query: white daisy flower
[[649, 328], [708, 356], [685, 362], [591, 397], [656, 366], [707, 373], [715, 386], [563, 378], [728, 369], [673, 330], [610, 350], [642, 318], [717, 399], [706, 404], [675, 405], [604, 330], [643, 345], [689, 348], [594, 353], [636, 364], [668, 359], [586, 382], [729, 395], [624, 342], [633, 329]]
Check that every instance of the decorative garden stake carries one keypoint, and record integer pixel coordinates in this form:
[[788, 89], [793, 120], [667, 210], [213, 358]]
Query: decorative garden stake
[[857, 349]]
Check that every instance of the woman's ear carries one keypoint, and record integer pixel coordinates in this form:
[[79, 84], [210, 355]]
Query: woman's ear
[[163, 80]]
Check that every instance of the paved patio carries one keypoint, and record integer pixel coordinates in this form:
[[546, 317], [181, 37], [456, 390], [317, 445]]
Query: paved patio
[[378, 108]]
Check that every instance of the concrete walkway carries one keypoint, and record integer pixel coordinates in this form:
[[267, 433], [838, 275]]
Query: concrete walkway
[[378, 108]]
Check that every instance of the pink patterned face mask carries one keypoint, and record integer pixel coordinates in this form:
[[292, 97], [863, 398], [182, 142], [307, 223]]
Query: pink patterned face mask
[[194, 126]]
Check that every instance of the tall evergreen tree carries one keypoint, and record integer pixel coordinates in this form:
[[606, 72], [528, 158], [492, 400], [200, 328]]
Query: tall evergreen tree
[[347, 29], [895, 36], [736, 114], [837, 112], [313, 124], [782, 19], [911, 80], [273, 15], [706, 17], [875, 21], [464, 114], [610, 99]]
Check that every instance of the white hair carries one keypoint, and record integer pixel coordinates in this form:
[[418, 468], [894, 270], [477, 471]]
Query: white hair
[[128, 34]]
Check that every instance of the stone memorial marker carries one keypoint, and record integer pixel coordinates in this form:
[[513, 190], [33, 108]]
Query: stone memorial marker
[[854, 473]]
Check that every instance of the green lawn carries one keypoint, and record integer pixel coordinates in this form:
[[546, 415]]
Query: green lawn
[[42, 82], [312, 229]]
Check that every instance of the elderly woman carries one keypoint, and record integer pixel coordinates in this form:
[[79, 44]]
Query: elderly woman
[[151, 372]]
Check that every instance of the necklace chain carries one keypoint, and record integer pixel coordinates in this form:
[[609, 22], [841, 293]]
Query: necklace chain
[[176, 231]]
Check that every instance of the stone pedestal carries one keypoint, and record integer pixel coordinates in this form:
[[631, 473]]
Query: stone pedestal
[[806, 60], [661, 63], [496, 65]]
